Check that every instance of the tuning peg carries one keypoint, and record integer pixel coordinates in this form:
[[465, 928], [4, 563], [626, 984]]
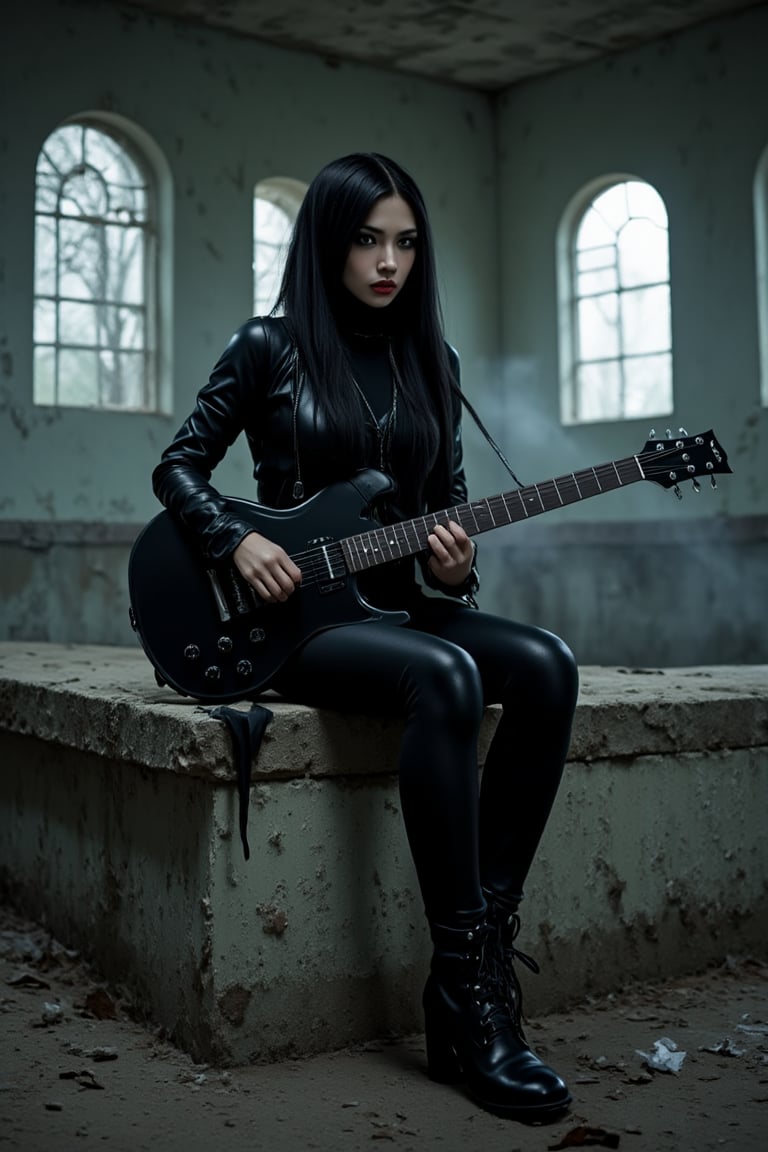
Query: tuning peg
[[682, 431], [713, 482], [696, 485], [677, 491], [669, 433], [652, 434]]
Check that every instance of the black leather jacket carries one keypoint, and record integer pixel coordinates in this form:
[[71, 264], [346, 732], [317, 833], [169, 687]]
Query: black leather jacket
[[259, 387]]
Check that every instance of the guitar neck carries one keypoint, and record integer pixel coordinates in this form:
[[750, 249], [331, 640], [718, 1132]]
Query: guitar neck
[[408, 537]]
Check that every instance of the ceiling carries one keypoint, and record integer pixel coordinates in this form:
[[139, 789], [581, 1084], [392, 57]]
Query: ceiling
[[483, 44]]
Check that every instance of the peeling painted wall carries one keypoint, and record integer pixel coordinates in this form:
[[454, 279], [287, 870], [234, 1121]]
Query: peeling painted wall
[[685, 113], [225, 113], [688, 115]]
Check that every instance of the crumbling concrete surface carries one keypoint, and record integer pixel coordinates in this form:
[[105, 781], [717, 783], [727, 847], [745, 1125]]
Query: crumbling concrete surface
[[118, 828]]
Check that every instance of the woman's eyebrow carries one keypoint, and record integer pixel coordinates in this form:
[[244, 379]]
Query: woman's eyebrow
[[380, 231]]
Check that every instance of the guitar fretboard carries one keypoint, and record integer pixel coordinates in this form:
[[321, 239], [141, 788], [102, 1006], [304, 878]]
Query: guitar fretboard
[[410, 536]]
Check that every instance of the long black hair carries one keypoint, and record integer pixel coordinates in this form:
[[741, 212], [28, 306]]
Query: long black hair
[[336, 205]]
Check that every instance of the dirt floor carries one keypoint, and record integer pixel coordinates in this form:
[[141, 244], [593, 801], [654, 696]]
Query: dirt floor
[[77, 1072]]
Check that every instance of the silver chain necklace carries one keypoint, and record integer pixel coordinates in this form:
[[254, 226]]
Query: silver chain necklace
[[383, 434]]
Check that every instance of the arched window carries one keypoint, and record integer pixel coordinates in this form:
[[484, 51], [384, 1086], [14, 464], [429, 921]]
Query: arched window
[[615, 326], [95, 272], [276, 203], [761, 256]]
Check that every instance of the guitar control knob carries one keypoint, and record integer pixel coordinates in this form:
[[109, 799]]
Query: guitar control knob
[[224, 644], [257, 635], [244, 667], [191, 652], [213, 672]]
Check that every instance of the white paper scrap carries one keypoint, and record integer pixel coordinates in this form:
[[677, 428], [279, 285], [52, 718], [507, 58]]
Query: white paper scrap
[[665, 1057]]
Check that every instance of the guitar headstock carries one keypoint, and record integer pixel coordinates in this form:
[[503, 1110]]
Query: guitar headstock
[[671, 461]]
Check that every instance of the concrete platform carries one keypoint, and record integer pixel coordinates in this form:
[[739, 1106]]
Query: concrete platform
[[118, 827]]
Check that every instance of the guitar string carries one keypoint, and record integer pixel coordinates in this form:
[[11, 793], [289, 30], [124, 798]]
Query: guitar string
[[316, 569], [397, 535]]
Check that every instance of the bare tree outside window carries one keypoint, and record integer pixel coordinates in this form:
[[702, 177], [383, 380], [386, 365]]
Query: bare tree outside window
[[276, 204], [94, 272], [620, 307]]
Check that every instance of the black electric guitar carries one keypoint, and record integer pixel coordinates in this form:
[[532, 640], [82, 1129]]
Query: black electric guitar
[[209, 636]]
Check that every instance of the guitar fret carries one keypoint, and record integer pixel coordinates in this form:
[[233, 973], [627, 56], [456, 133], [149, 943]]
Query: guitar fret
[[632, 469], [409, 537], [568, 489], [519, 495], [406, 526], [355, 542], [487, 509], [383, 544], [546, 491], [588, 484]]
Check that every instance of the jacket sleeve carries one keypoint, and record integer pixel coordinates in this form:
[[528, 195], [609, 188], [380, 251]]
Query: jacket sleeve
[[181, 481], [458, 495]]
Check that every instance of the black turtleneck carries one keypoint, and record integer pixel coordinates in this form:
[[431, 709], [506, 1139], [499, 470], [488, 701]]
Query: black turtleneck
[[368, 334]]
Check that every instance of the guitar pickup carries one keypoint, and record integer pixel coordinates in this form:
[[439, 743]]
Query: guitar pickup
[[238, 592], [331, 571], [218, 596], [232, 595]]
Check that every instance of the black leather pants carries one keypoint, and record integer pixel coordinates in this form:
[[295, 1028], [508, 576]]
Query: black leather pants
[[438, 672]]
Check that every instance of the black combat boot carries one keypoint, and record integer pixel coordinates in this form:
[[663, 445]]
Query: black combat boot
[[471, 1035]]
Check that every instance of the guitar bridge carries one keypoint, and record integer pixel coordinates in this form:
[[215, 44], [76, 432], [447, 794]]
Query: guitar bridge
[[330, 570]]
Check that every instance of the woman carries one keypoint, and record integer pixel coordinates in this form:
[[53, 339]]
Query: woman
[[358, 375]]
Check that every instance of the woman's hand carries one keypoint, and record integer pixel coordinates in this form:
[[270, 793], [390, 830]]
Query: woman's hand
[[266, 567], [452, 553]]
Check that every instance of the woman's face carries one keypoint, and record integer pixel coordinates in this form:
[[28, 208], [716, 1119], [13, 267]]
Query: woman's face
[[382, 253]]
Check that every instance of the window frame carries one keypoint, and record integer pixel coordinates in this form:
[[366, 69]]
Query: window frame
[[286, 194], [569, 299], [156, 302], [760, 195]]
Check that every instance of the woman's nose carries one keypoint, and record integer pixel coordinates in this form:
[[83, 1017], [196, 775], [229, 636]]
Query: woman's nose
[[387, 259]]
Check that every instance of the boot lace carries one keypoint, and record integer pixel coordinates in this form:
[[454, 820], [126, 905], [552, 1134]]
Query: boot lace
[[504, 953], [488, 990]]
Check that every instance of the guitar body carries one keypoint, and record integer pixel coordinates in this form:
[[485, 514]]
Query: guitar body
[[206, 632], [209, 636]]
